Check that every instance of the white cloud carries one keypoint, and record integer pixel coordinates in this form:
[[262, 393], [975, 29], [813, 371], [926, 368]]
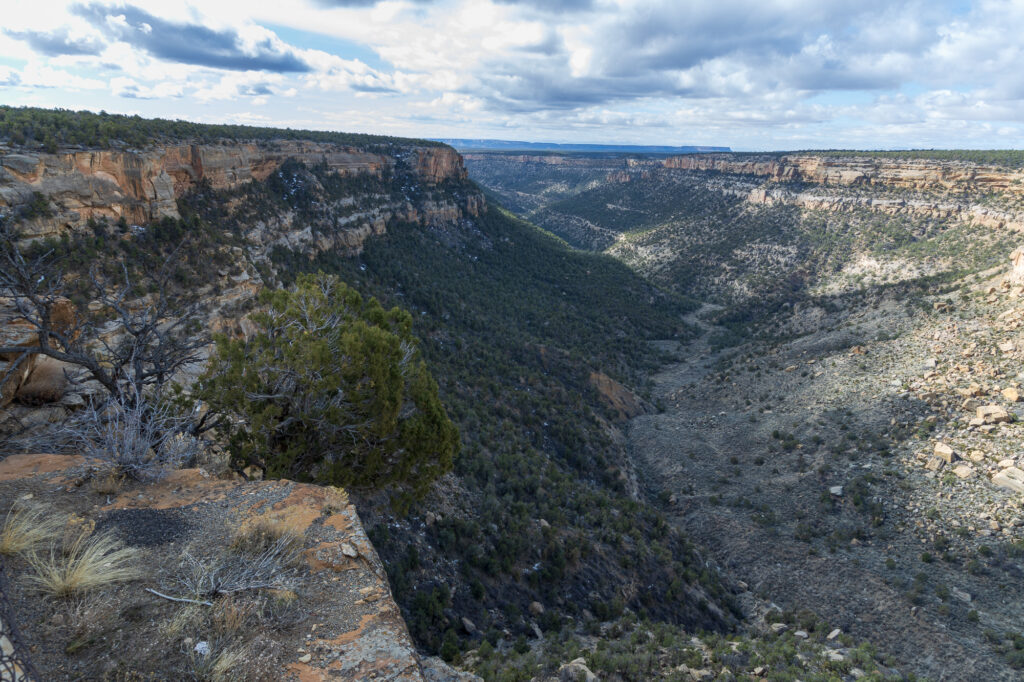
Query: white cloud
[[749, 73]]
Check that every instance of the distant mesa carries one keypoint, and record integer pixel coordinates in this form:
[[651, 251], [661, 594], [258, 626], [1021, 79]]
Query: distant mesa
[[519, 146]]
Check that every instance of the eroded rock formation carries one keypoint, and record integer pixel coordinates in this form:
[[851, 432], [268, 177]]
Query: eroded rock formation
[[140, 186]]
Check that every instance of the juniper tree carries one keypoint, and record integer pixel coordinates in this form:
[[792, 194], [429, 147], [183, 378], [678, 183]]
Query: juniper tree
[[331, 389]]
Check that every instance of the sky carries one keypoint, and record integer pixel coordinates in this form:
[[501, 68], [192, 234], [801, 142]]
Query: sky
[[749, 74]]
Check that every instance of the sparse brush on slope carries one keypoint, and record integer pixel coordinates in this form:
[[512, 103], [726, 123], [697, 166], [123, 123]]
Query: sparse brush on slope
[[268, 568]]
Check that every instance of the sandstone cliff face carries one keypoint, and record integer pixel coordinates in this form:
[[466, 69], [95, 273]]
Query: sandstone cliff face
[[935, 208], [142, 186], [935, 189], [920, 174]]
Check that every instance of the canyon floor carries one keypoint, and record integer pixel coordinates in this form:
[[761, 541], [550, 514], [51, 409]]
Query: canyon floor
[[805, 469]]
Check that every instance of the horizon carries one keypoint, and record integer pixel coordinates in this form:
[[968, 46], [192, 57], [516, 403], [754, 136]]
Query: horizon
[[786, 75]]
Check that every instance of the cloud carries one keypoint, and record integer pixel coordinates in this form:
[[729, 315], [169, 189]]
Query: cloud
[[361, 3], [9, 76], [555, 6], [256, 49], [56, 43], [129, 89]]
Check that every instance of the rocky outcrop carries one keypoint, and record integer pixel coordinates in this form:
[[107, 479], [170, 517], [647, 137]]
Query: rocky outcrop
[[921, 174], [438, 164], [934, 208], [349, 627], [141, 186], [943, 190]]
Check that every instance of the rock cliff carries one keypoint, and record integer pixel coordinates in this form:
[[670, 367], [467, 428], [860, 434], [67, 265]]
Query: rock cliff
[[921, 174], [141, 186]]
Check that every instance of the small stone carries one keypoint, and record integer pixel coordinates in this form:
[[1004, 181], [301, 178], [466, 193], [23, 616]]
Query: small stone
[[832, 635], [1011, 394], [802, 634], [468, 625], [349, 551], [536, 608], [1006, 346], [960, 594], [430, 518], [1007, 462], [970, 404], [306, 658], [934, 464], [836, 490], [202, 648], [779, 628], [835, 656]]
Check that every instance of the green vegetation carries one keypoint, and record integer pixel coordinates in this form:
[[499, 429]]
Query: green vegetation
[[50, 128], [331, 389], [634, 650], [513, 324]]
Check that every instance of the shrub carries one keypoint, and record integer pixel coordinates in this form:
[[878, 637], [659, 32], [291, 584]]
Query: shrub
[[269, 566], [142, 438]]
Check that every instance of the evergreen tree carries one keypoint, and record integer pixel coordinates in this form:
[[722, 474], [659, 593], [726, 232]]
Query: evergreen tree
[[332, 389]]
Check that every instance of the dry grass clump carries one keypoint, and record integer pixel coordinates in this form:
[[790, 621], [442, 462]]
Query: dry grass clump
[[217, 659], [87, 563], [26, 529], [256, 538]]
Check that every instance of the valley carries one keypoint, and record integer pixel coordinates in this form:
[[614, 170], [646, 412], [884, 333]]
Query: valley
[[801, 436]]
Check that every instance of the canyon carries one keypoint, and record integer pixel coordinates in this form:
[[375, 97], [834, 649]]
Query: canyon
[[762, 354]]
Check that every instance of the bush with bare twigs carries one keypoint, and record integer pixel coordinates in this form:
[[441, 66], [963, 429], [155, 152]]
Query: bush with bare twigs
[[272, 567]]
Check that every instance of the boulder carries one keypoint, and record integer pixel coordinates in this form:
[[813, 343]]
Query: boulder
[[46, 384], [1010, 478], [963, 471], [576, 671], [945, 452], [1011, 394], [993, 414]]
